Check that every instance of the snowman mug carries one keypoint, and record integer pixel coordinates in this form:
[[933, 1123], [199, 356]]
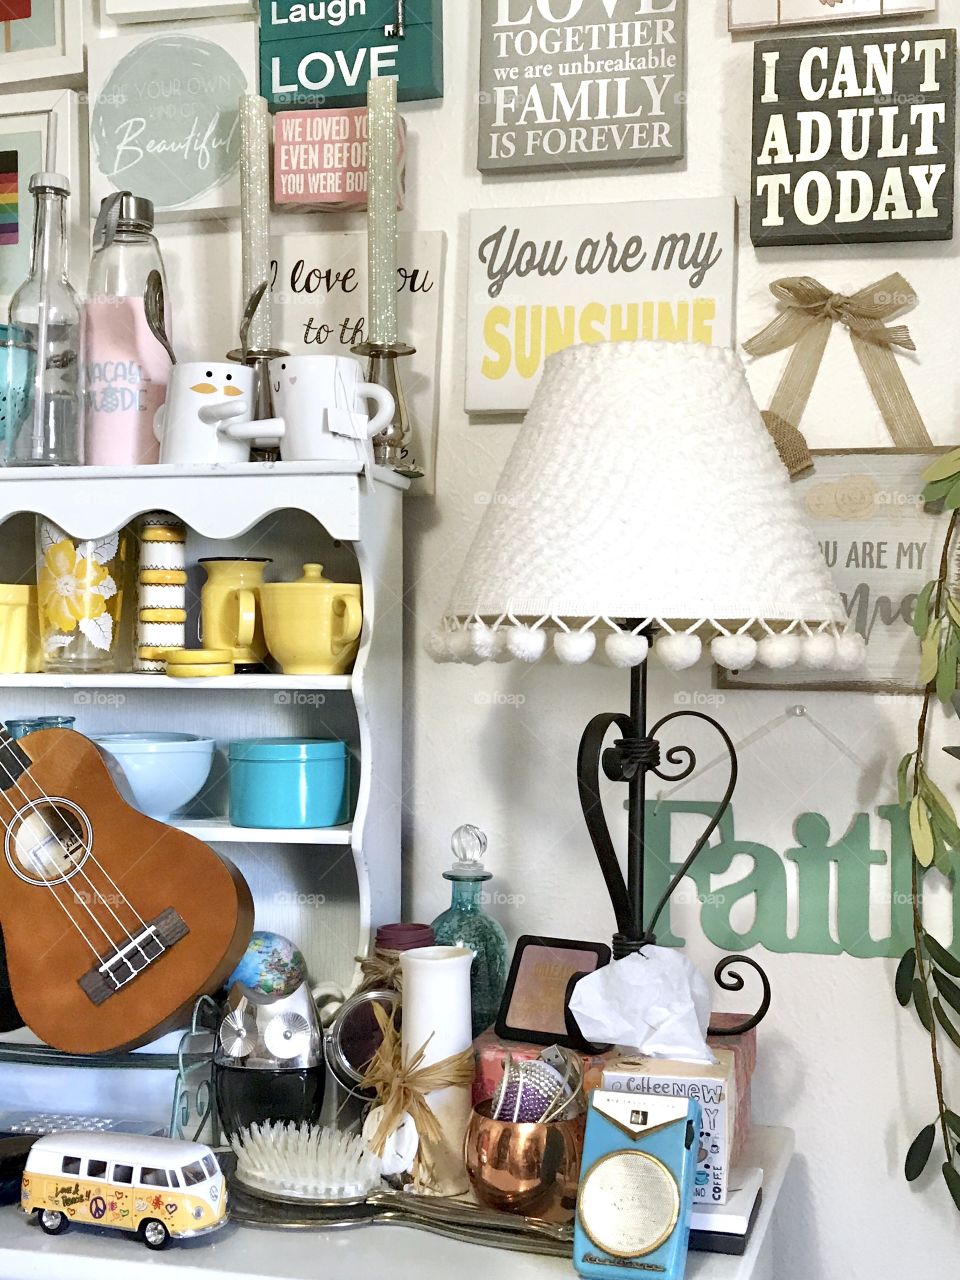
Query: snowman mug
[[207, 415], [320, 399]]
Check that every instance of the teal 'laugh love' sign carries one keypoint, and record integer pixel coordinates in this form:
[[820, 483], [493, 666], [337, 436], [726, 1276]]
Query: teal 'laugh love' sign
[[323, 52]]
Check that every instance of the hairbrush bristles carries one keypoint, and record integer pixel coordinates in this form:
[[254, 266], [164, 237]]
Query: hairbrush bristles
[[305, 1162]]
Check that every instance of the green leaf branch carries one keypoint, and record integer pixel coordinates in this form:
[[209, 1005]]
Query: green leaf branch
[[928, 975]]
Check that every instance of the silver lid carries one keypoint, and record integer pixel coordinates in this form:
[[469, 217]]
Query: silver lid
[[136, 213], [50, 182]]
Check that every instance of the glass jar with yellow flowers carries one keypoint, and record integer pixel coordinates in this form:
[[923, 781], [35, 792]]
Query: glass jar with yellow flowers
[[79, 591]]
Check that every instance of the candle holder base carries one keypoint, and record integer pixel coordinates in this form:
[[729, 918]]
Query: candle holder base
[[259, 362], [391, 448]]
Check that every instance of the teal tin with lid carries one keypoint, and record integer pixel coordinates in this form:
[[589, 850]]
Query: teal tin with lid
[[289, 784]]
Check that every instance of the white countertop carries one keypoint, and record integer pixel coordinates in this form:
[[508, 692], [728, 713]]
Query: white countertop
[[357, 1253]]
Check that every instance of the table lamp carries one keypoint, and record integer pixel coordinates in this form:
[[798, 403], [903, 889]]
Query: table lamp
[[644, 503]]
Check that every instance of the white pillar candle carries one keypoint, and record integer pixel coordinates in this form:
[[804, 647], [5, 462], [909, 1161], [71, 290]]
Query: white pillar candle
[[436, 1012], [255, 212], [382, 209]]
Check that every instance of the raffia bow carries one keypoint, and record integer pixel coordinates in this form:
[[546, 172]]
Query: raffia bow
[[403, 1088], [807, 315], [381, 971]]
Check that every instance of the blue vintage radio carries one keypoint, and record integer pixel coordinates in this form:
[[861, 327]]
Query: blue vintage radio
[[636, 1186]]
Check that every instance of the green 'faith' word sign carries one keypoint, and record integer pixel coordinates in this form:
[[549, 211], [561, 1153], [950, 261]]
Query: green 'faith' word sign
[[765, 885], [323, 52]]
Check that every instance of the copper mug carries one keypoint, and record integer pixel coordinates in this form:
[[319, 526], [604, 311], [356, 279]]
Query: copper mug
[[529, 1169]]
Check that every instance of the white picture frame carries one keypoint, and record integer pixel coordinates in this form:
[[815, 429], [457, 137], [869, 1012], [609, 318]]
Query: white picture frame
[[172, 139], [773, 15], [61, 60], [130, 11], [24, 114]]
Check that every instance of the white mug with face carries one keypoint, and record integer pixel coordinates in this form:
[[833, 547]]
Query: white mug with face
[[321, 401], [207, 416]]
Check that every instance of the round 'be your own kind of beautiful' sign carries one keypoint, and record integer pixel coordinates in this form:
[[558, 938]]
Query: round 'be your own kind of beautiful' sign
[[165, 122]]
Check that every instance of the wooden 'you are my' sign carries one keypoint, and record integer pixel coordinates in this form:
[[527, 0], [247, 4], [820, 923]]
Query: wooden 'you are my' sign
[[854, 138]]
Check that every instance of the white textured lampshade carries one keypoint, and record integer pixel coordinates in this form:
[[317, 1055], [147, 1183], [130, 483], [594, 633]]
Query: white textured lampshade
[[644, 486]]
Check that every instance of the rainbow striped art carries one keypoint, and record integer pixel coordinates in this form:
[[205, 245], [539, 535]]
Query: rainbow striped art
[[9, 197]]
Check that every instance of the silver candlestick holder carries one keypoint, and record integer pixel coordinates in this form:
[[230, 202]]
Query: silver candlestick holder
[[263, 406], [391, 448]]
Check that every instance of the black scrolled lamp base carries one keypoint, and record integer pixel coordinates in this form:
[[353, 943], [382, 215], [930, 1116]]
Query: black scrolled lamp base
[[633, 756]]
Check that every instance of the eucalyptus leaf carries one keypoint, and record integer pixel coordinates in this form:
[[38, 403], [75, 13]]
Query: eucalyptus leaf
[[953, 1122], [944, 1019], [949, 990], [948, 465], [920, 832], [921, 1149], [922, 1004], [947, 672], [903, 770], [953, 609], [934, 494], [939, 954], [952, 1179], [952, 498], [941, 855], [906, 971], [921, 612], [929, 654], [933, 793]]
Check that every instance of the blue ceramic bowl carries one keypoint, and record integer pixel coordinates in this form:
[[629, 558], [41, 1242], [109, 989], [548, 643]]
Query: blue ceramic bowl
[[289, 783], [165, 770]]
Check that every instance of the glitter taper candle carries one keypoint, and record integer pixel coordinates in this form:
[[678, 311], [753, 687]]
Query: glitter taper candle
[[255, 212], [382, 209]]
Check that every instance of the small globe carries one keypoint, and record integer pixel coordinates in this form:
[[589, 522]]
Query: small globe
[[271, 964]]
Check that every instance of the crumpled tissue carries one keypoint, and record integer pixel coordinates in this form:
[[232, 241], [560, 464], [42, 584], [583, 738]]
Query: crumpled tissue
[[655, 1002]]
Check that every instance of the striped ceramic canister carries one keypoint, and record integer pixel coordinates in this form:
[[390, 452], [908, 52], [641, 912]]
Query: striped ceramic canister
[[161, 590]]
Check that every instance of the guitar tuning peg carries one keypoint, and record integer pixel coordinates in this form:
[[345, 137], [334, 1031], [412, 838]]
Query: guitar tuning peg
[[396, 30]]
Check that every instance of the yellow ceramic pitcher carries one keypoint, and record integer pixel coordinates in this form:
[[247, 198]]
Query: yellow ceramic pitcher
[[229, 617], [312, 626], [19, 629]]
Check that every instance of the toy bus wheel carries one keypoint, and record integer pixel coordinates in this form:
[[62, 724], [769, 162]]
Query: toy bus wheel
[[154, 1234], [52, 1221]]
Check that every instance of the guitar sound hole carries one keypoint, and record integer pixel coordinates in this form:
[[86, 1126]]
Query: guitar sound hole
[[48, 842]]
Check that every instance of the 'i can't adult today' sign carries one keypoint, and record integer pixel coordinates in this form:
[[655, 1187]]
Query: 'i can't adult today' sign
[[854, 138], [569, 83]]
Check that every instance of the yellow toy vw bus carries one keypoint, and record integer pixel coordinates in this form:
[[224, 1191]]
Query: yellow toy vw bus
[[160, 1188]]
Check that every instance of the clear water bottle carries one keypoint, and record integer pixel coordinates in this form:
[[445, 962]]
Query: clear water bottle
[[46, 333], [127, 369]]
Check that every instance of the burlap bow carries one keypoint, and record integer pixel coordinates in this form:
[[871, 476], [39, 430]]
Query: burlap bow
[[807, 315], [403, 1088]]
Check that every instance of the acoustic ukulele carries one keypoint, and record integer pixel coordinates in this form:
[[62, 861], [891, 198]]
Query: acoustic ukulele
[[113, 923]]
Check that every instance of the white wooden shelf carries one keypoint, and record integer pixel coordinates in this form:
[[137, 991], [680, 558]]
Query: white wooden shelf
[[220, 831], [135, 680]]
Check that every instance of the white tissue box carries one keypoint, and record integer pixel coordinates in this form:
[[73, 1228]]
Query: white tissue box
[[714, 1087]]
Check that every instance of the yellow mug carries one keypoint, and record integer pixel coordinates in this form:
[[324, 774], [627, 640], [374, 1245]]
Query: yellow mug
[[312, 626], [20, 649], [229, 618]]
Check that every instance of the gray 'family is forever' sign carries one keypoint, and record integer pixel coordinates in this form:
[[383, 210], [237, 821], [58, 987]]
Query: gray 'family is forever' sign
[[854, 138], [567, 83]]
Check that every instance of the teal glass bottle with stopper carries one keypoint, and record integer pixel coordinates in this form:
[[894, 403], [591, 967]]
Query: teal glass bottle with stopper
[[467, 924]]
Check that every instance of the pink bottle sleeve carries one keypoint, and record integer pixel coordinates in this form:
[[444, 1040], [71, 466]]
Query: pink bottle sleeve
[[127, 372]]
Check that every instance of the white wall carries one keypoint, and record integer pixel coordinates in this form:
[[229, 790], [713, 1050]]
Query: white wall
[[839, 1062]]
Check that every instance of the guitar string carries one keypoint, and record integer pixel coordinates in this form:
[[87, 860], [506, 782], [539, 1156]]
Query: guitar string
[[97, 894], [118, 952], [90, 854], [44, 883]]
